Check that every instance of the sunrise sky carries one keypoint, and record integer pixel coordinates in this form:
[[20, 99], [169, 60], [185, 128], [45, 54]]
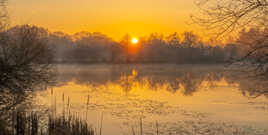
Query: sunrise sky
[[114, 18]]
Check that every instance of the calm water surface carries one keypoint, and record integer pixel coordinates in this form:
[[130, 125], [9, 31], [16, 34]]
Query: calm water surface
[[171, 98]]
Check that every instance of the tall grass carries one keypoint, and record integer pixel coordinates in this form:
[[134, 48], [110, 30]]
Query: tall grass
[[29, 124], [70, 125]]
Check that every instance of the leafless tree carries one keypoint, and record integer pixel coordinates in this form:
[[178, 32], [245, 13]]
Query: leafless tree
[[225, 16], [24, 61], [232, 17]]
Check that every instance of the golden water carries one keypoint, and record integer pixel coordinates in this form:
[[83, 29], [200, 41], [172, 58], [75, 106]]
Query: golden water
[[121, 96]]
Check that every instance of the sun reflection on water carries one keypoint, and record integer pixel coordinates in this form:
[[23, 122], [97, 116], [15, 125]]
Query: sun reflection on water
[[134, 95]]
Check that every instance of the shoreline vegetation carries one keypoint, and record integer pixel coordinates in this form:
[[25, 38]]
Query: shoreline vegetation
[[88, 47], [26, 122], [29, 124], [27, 53], [23, 123]]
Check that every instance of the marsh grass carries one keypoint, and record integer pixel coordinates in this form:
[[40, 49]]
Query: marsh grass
[[70, 125], [29, 124]]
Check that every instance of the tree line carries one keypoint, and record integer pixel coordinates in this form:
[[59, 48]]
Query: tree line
[[186, 48]]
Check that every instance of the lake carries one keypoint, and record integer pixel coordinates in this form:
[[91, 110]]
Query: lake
[[159, 99]]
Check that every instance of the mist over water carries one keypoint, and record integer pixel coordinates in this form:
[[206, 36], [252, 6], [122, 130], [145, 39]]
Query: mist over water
[[121, 67], [176, 97]]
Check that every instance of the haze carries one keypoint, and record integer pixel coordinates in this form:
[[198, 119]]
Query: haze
[[111, 17]]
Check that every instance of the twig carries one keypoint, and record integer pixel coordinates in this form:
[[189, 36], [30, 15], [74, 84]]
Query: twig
[[133, 132], [157, 131], [141, 126], [101, 123]]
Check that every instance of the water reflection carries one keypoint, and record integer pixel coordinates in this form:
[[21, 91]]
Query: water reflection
[[165, 93], [187, 78]]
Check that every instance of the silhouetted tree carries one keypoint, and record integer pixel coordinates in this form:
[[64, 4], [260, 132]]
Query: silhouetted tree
[[232, 16], [86, 47], [225, 16], [24, 63], [235, 16]]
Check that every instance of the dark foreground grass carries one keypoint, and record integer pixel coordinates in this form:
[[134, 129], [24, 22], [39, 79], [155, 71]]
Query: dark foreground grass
[[31, 124]]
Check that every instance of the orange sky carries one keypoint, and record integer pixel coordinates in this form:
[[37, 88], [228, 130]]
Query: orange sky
[[112, 17]]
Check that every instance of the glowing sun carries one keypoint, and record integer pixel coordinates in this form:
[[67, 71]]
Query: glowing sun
[[135, 41]]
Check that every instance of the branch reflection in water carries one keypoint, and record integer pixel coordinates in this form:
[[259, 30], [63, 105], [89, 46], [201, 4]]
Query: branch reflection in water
[[165, 93]]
